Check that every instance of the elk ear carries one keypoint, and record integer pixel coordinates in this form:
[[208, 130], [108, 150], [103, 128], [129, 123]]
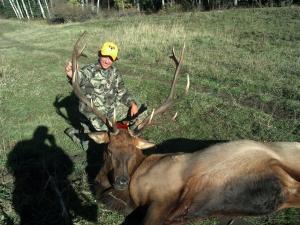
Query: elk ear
[[99, 137], [143, 144]]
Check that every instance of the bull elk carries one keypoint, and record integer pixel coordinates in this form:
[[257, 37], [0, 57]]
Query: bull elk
[[235, 178], [122, 140]]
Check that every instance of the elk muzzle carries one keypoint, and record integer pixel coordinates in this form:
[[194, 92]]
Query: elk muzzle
[[121, 183]]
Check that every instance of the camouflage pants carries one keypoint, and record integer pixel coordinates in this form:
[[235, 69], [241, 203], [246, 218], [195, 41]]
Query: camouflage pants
[[92, 122]]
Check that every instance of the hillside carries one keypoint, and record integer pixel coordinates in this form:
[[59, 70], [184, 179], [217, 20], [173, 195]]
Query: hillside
[[243, 65]]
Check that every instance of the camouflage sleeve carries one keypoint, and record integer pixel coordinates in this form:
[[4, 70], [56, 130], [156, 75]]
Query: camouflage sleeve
[[123, 95], [84, 77]]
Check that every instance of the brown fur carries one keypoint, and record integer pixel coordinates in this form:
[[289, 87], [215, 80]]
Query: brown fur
[[224, 179]]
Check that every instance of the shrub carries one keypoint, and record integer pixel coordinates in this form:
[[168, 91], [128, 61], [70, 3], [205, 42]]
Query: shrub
[[67, 12]]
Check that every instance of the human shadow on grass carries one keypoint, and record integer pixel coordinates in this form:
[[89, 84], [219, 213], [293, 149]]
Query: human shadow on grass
[[70, 104], [42, 192]]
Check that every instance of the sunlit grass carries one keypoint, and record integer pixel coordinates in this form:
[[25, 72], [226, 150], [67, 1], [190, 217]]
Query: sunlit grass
[[243, 64]]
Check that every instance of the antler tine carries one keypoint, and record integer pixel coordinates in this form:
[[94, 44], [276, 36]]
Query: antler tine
[[75, 55], [187, 88], [178, 65], [173, 56], [168, 102], [77, 52]]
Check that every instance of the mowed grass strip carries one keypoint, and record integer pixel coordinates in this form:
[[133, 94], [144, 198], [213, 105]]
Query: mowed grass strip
[[243, 64]]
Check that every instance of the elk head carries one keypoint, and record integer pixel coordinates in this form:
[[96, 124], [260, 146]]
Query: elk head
[[124, 147]]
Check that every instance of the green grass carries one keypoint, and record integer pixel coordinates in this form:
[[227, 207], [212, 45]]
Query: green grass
[[243, 64]]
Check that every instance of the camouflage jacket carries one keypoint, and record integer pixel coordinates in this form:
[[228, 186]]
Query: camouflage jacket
[[105, 87]]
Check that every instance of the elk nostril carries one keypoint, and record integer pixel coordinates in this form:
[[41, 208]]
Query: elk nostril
[[122, 181]]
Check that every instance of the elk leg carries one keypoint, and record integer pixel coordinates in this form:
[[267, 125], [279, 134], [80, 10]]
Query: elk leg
[[117, 201], [102, 177], [184, 206], [177, 215], [101, 182], [291, 188], [156, 213]]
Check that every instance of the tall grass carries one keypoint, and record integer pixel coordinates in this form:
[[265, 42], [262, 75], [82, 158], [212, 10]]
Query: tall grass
[[243, 64]]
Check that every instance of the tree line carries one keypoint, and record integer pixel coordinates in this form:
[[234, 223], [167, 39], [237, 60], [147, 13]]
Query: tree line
[[30, 9], [25, 9]]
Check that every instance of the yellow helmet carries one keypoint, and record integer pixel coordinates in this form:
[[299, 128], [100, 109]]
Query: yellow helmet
[[109, 49]]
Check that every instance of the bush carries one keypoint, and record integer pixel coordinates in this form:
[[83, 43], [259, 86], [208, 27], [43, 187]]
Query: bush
[[66, 12]]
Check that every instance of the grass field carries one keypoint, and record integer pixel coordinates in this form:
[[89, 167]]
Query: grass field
[[244, 67]]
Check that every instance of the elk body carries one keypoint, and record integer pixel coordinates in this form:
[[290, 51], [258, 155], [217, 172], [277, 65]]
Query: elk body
[[234, 178]]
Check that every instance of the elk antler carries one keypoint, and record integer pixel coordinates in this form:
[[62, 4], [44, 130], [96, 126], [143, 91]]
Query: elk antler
[[77, 52], [169, 101]]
